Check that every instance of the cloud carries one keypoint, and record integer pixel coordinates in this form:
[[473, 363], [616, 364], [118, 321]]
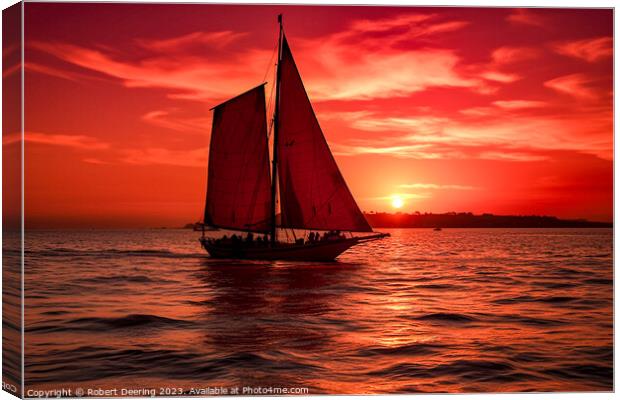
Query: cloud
[[525, 16], [416, 151], [404, 196], [575, 85], [404, 26], [92, 160], [501, 59], [196, 157], [388, 24], [333, 66], [373, 59], [502, 106], [365, 120], [8, 71], [496, 133], [167, 119], [217, 39], [512, 54], [434, 186], [385, 74], [590, 50], [11, 138], [73, 141], [161, 156], [58, 73], [519, 104], [512, 156], [190, 77], [500, 76], [479, 111]]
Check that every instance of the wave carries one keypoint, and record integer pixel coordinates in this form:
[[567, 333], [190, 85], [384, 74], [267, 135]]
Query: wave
[[111, 253], [439, 286], [592, 373], [487, 318], [529, 299], [597, 281], [97, 324], [446, 317], [554, 285], [88, 363], [416, 349], [466, 369], [120, 279], [524, 320]]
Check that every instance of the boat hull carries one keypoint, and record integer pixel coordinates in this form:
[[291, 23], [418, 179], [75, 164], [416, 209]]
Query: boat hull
[[320, 251]]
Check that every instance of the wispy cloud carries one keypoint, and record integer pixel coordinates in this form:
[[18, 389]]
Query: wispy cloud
[[59, 72], [8, 71], [171, 120], [504, 61], [404, 196], [405, 26], [519, 104], [576, 85], [416, 151], [590, 50], [435, 186], [365, 120], [161, 156], [512, 156], [185, 76], [333, 65], [93, 160], [195, 157], [74, 141], [337, 69], [525, 16], [479, 111], [191, 40], [513, 54], [498, 76], [498, 133]]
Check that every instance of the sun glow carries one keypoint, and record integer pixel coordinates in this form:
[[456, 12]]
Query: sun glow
[[397, 201]]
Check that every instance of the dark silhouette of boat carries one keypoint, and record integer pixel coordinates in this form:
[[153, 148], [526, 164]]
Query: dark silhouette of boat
[[315, 204]]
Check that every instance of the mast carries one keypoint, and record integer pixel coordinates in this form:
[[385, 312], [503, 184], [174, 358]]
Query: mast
[[276, 118]]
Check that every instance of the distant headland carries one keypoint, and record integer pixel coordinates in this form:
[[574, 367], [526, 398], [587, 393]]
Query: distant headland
[[470, 220], [465, 220]]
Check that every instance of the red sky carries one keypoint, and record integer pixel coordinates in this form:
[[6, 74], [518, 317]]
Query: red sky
[[502, 110]]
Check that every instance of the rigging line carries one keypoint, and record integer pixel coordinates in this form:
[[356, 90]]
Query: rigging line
[[273, 53], [271, 120], [269, 111]]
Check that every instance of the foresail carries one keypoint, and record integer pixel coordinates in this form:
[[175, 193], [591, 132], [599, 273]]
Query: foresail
[[238, 182], [313, 193]]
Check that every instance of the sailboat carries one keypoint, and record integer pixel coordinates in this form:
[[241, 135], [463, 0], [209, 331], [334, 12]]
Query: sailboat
[[242, 194]]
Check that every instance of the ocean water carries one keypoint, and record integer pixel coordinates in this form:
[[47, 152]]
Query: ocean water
[[461, 310]]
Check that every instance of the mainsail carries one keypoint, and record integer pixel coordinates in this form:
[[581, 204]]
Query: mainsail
[[238, 185], [313, 193]]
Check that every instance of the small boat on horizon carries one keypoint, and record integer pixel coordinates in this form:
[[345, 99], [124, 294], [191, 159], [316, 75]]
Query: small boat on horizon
[[316, 206]]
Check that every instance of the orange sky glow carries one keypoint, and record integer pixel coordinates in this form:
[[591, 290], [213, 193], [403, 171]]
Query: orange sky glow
[[507, 111]]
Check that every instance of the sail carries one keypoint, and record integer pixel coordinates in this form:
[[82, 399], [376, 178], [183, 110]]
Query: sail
[[238, 183], [313, 193]]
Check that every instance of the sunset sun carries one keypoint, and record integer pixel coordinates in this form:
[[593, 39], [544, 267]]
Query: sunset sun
[[397, 201]]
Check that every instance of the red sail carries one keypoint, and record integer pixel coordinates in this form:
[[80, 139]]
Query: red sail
[[313, 193], [238, 186]]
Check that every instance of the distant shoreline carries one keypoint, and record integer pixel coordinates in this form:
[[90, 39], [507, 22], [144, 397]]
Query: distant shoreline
[[470, 220]]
